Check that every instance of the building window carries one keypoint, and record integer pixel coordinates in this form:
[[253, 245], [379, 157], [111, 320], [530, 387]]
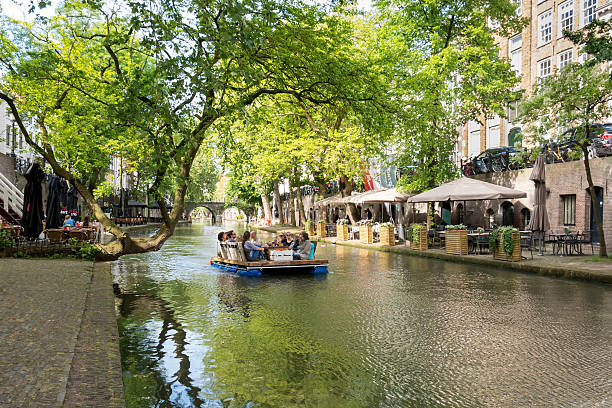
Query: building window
[[545, 28], [525, 218], [544, 68], [569, 209], [588, 11], [565, 58], [519, 10], [493, 131], [516, 54], [566, 16], [513, 111]]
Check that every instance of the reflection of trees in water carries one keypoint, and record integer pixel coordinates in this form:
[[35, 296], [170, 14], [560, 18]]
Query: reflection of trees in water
[[140, 355], [230, 292]]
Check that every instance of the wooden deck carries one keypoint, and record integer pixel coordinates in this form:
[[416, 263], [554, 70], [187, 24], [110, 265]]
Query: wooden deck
[[260, 264]]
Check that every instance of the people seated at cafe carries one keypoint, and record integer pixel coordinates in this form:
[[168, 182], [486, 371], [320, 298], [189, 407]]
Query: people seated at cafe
[[304, 247], [252, 250], [69, 222], [85, 223]]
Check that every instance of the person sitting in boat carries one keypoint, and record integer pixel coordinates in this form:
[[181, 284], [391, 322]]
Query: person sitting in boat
[[231, 236], [220, 238], [304, 247], [285, 240], [252, 251]]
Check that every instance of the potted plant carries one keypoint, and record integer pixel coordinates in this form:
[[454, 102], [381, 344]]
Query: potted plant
[[505, 243], [321, 230], [417, 235], [456, 240], [387, 233], [365, 232], [309, 227], [342, 230]]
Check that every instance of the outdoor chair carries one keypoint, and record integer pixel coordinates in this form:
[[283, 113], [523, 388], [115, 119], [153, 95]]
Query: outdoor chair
[[482, 243], [527, 242], [585, 238], [78, 235], [55, 237]]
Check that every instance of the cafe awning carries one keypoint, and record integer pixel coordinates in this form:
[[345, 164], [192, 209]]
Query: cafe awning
[[358, 198], [333, 200], [467, 189], [390, 195]]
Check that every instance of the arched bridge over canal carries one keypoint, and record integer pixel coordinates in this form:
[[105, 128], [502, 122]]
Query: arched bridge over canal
[[216, 208]]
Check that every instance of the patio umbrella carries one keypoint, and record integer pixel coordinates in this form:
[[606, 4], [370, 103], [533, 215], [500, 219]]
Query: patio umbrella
[[539, 219], [53, 203], [466, 189], [390, 195], [32, 202]]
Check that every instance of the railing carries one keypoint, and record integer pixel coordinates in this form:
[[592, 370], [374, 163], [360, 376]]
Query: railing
[[11, 196]]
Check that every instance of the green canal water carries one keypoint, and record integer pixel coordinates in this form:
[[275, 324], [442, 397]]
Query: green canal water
[[381, 330]]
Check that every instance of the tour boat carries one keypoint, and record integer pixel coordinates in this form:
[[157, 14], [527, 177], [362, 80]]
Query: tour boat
[[281, 262]]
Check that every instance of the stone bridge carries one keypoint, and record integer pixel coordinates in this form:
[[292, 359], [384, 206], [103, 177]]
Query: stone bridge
[[216, 208]]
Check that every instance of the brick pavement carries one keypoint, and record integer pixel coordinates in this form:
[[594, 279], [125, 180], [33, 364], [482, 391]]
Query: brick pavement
[[58, 321]]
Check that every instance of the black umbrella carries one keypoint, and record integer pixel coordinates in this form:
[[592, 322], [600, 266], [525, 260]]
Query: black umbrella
[[54, 219], [32, 218], [72, 199]]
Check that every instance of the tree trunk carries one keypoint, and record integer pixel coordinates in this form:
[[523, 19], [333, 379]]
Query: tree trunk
[[265, 203], [279, 203], [291, 206], [300, 203], [603, 251]]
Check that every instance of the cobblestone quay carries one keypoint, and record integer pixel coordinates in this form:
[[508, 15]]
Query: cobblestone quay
[[58, 335]]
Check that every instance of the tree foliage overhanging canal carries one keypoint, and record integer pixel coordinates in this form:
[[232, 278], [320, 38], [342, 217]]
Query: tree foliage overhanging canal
[[276, 89]]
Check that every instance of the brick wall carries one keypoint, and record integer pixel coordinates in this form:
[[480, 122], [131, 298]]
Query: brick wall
[[561, 179]]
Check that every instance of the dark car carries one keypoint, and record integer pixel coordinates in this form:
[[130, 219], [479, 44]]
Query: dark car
[[601, 143], [494, 159]]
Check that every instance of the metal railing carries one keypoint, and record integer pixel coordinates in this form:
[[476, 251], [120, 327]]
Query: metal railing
[[11, 196]]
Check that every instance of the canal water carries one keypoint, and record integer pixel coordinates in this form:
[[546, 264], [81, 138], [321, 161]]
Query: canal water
[[381, 330]]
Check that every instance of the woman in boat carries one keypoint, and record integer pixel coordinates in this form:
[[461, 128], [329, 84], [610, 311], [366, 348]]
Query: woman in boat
[[252, 251], [220, 239], [304, 247], [230, 236]]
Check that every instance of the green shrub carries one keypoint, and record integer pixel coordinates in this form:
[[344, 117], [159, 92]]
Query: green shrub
[[506, 236], [456, 227]]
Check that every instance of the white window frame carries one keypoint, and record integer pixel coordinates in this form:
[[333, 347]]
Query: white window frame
[[566, 17], [516, 53], [493, 132], [563, 59], [519, 7], [540, 68], [588, 11], [545, 27]]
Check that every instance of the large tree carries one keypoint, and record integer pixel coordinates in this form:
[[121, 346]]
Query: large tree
[[154, 76]]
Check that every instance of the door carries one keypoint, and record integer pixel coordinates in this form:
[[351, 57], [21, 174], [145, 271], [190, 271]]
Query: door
[[599, 195], [446, 213], [508, 213]]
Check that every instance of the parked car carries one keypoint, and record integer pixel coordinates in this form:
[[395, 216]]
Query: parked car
[[601, 141], [495, 159]]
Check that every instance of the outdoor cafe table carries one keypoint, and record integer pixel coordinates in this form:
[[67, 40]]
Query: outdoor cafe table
[[566, 243], [58, 235]]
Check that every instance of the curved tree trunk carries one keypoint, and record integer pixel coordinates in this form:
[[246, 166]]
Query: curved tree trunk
[[265, 203], [279, 203]]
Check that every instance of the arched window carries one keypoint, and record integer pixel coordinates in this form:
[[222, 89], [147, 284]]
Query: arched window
[[507, 213], [525, 218], [514, 136], [460, 213], [491, 217]]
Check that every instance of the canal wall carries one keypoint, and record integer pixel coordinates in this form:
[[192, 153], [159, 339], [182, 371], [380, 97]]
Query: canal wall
[[561, 267], [60, 343]]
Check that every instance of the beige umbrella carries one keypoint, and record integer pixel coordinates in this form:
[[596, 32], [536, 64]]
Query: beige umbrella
[[390, 195], [466, 189], [539, 219], [360, 198]]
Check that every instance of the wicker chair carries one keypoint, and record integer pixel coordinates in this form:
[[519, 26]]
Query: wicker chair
[[79, 235], [55, 236]]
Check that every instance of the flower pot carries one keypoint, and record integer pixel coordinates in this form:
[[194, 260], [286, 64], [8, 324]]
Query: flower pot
[[342, 232], [387, 236], [421, 243], [515, 256], [365, 234], [456, 242], [321, 231]]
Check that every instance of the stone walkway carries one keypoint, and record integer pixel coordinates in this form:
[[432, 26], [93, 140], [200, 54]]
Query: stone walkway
[[58, 335]]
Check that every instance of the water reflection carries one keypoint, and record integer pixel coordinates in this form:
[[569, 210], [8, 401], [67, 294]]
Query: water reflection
[[380, 330]]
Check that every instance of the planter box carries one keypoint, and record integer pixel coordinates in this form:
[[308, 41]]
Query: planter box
[[501, 255], [342, 232], [365, 234], [321, 231], [311, 229], [421, 243], [387, 236], [456, 242]]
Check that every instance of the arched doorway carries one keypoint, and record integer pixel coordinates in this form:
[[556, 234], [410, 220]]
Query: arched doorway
[[525, 218], [490, 217], [514, 136], [460, 213], [507, 213], [593, 224]]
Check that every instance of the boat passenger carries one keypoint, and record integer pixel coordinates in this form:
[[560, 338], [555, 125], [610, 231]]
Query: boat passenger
[[285, 240], [231, 236], [69, 222], [304, 247], [252, 251], [220, 238]]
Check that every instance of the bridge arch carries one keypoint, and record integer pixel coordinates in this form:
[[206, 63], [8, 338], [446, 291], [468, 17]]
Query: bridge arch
[[216, 208]]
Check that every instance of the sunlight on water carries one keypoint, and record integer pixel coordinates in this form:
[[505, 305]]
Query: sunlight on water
[[380, 330]]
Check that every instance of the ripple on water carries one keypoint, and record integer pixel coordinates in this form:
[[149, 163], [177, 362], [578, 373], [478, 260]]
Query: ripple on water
[[382, 330]]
